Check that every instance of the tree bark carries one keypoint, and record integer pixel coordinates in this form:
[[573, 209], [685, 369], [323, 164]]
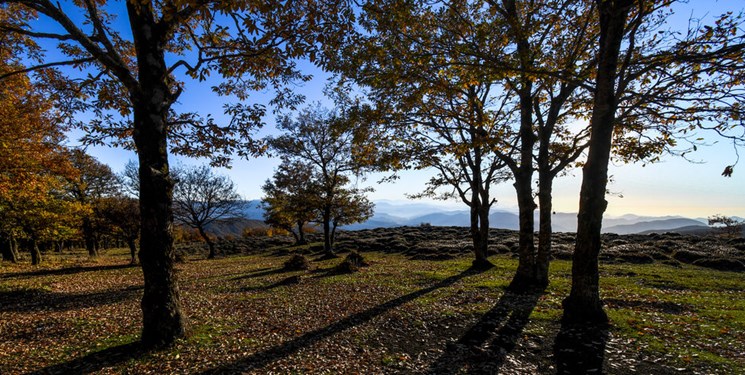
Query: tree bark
[[8, 253], [482, 261], [327, 246], [151, 101], [210, 244], [35, 253], [524, 279], [583, 304], [300, 238], [89, 237], [132, 249], [545, 232]]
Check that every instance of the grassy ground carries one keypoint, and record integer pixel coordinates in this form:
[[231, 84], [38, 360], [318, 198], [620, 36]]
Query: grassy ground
[[397, 315]]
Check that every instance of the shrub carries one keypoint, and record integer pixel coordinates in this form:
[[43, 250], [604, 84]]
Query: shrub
[[297, 262], [351, 263], [686, 256], [721, 264]]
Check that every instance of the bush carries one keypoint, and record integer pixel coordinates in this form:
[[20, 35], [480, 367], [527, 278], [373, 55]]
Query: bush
[[297, 262], [352, 263], [686, 256], [721, 264]]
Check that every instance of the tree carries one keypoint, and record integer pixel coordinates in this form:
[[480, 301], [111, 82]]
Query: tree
[[92, 182], [583, 303], [33, 165], [201, 197], [694, 81], [727, 225], [290, 198], [481, 84], [122, 214], [323, 141], [131, 87]]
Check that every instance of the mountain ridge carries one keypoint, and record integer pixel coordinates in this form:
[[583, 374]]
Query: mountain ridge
[[389, 214]]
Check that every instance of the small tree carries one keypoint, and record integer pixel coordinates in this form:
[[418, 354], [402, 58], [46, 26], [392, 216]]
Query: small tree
[[123, 216], [202, 197], [92, 182], [290, 199], [727, 225], [323, 140]]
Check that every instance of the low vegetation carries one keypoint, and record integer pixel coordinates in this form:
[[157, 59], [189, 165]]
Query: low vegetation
[[416, 307]]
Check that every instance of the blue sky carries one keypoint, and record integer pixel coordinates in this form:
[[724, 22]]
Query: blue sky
[[671, 187]]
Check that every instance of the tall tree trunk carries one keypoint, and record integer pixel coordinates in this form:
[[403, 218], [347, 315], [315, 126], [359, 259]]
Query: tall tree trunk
[[545, 204], [545, 231], [151, 101], [89, 237], [583, 304], [327, 248], [132, 249], [524, 279], [210, 244], [35, 253]]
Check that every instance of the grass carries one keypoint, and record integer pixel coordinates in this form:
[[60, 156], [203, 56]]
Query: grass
[[398, 315]]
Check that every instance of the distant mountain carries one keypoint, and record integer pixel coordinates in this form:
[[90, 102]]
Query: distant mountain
[[654, 225], [408, 210], [393, 214], [252, 210], [233, 227]]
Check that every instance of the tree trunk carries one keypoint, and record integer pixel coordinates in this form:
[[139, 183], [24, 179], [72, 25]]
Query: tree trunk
[[14, 247], [524, 279], [334, 225], [132, 249], [35, 253], [327, 249], [8, 253], [89, 237], [482, 253], [209, 242], [545, 187], [300, 238], [151, 101], [543, 257], [583, 304]]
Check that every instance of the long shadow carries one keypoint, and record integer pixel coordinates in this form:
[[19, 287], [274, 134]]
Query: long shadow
[[260, 273], [264, 288], [484, 347], [580, 349], [96, 361], [39, 300], [68, 270], [261, 359]]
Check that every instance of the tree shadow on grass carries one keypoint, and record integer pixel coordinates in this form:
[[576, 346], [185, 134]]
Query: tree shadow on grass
[[292, 280], [68, 270], [32, 300], [484, 347], [265, 357], [580, 349], [96, 361], [260, 273]]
